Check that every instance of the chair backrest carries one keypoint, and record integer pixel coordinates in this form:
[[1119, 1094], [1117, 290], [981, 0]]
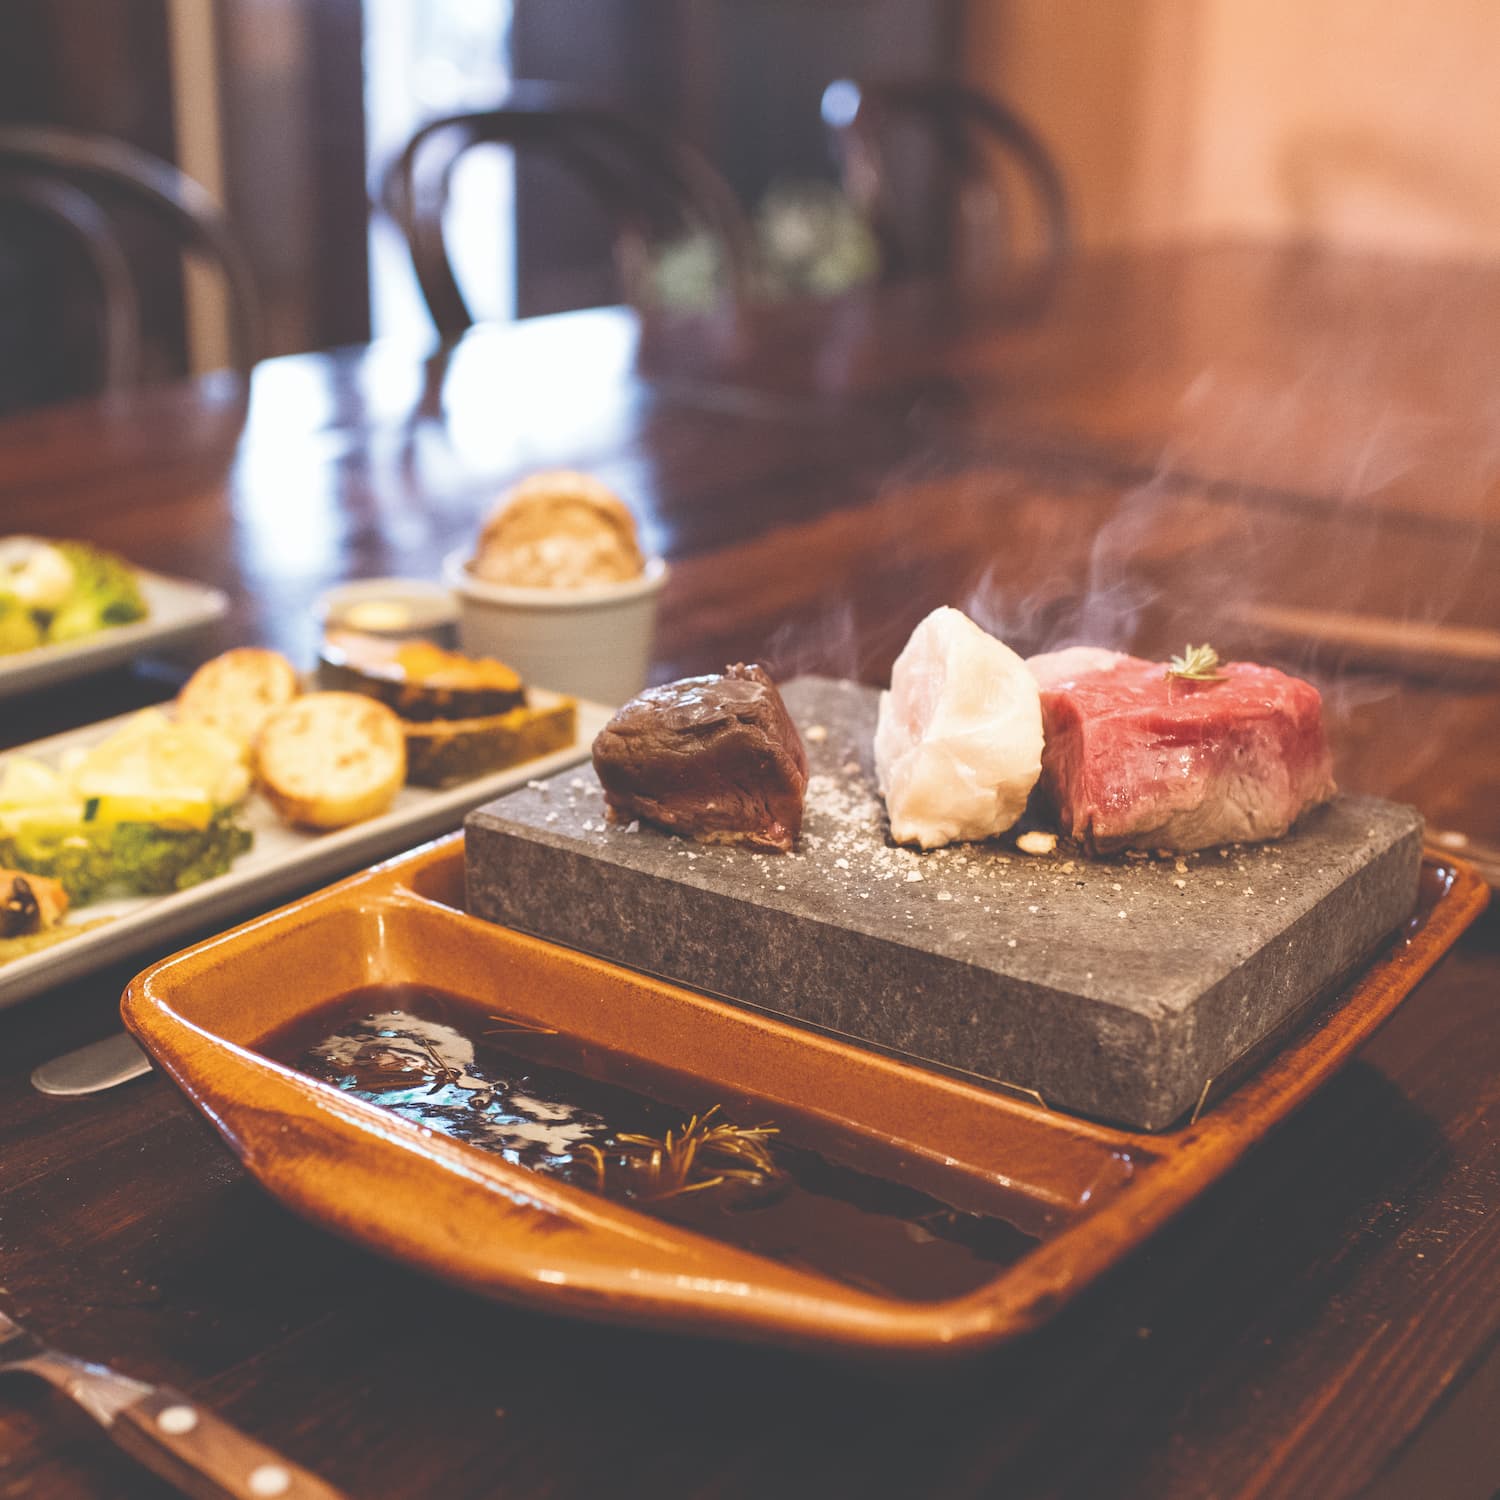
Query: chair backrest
[[643, 177], [963, 129], [74, 219], [72, 177]]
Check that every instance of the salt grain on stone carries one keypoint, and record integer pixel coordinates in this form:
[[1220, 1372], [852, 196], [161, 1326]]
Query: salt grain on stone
[[816, 733]]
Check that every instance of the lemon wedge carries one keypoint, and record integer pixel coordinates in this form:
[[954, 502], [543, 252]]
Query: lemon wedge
[[40, 818], [26, 783], [151, 761], [166, 811]]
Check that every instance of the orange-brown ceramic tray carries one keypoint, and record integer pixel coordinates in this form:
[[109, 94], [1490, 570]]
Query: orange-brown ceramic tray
[[473, 1219]]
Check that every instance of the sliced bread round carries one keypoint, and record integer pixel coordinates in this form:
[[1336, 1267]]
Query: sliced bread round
[[330, 759], [238, 691]]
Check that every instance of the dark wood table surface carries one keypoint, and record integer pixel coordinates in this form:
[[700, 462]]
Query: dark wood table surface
[[1165, 445]]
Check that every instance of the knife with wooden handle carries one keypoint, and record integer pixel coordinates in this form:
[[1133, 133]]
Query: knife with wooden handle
[[171, 1434], [92, 1068]]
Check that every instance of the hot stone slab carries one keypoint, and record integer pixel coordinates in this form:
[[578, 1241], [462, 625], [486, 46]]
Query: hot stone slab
[[1114, 989]]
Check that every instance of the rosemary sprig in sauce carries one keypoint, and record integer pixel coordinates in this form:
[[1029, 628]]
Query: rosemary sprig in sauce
[[511, 1024], [1196, 664], [703, 1154]]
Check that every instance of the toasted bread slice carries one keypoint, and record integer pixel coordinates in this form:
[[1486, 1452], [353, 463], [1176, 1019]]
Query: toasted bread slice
[[238, 691], [451, 750], [330, 759]]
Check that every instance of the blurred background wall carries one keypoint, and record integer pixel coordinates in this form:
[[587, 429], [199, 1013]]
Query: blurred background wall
[[261, 102], [1355, 123], [1351, 122]]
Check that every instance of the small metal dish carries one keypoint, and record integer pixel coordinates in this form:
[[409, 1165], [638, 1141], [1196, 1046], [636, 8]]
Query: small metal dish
[[393, 609]]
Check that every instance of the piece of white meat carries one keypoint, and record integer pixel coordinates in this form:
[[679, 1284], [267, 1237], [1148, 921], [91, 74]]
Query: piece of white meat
[[958, 741]]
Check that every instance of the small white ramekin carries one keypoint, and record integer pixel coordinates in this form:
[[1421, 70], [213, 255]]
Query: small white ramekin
[[591, 642]]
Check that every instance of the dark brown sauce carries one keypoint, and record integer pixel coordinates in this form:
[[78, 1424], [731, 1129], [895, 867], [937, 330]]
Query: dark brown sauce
[[540, 1099]]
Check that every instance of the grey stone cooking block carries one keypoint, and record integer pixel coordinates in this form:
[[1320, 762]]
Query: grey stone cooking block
[[1115, 989]]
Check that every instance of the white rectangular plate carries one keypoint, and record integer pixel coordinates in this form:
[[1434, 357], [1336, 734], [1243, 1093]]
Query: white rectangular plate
[[280, 860], [175, 609]]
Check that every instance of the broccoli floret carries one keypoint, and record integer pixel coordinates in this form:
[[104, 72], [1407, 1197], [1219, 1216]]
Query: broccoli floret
[[105, 592], [19, 630], [78, 856]]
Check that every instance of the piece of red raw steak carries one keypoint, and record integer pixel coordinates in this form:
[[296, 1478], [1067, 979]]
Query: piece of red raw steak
[[1135, 759]]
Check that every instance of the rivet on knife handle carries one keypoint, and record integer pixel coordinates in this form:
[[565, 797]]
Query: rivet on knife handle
[[206, 1457]]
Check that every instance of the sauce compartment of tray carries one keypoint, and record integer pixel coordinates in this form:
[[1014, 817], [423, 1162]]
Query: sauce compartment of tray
[[894, 1183]]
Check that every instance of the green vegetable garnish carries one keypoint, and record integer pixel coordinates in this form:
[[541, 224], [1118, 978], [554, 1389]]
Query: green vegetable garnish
[[19, 630], [92, 858], [154, 859], [105, 592], [62, 591], [1196, 664]]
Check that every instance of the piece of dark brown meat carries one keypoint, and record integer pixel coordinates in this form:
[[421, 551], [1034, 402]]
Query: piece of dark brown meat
[[715, 758], [1135, 759]]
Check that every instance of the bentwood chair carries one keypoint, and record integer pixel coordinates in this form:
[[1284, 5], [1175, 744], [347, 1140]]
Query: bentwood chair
[[649, 184], [72, 180], [983, 157], [61, 215]]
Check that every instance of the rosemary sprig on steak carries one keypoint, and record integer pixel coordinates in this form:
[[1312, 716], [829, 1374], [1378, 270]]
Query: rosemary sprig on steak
[[1196, 664]]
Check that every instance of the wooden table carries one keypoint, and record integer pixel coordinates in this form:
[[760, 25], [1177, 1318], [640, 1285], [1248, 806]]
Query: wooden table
[[1166, 442]]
